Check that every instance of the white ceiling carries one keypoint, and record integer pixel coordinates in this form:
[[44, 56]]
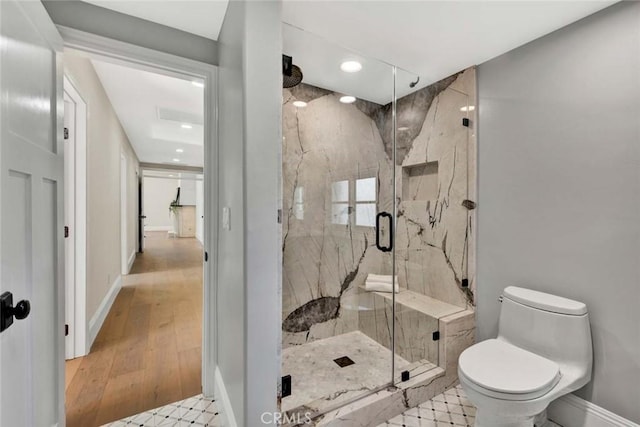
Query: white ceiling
[[203, 17], [429, 38], [138, 95], [432, 39]]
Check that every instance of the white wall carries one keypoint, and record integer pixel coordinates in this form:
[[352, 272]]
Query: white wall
[[200, 211], [105, 141], [249, 299], [559, 187], [158, 195], [187, 192]]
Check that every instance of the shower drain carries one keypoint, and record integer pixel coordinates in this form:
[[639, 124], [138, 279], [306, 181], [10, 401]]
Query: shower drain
[[343, 361]]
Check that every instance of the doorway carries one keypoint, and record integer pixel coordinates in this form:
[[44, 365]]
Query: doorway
[[131, 239], [75, 179]]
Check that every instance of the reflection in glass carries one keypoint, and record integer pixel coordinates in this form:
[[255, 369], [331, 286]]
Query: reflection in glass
[[366, 202], [298, 203]]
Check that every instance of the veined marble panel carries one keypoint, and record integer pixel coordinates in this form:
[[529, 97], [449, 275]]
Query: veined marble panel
[[327, 258], [434, 234], [327, 142]]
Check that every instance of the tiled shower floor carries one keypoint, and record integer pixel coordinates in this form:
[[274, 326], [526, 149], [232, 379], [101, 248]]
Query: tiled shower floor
[[319, 383]]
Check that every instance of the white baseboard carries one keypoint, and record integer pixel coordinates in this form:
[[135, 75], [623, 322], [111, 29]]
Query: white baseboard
[[572, 411], [132, 259], [101, 314], [226, 412], [158, 228]]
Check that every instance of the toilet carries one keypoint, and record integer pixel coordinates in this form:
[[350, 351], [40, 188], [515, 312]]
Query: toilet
[[543, 351]]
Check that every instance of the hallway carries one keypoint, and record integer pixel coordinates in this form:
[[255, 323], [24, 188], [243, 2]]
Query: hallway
[[148, 352]]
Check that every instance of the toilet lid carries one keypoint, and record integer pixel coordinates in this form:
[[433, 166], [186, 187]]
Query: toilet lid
[[504, 368]]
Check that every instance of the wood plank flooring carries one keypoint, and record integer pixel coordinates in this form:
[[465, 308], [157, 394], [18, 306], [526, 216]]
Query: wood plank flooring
[[148, 352]]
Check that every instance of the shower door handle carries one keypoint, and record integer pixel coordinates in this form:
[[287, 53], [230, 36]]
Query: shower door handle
[[378, 245]]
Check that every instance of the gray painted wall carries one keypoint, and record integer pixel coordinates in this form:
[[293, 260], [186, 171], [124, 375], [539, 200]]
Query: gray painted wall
[[126, 28], [559, 187], [248, 307]]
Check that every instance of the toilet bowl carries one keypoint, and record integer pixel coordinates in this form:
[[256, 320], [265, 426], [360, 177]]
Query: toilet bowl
[[543, 351]]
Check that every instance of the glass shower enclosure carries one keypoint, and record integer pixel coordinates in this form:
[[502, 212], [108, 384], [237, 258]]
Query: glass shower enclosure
[[373, 183]]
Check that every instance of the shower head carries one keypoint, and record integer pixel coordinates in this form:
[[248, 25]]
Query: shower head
[[291, 74], [294, 79]]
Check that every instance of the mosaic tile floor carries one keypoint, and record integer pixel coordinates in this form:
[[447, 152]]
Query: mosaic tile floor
[[452, 408], [194, 411]]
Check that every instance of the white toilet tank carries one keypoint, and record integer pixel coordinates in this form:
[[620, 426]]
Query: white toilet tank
[[551, 326]]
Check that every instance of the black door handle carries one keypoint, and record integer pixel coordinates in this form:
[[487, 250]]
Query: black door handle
[[142, 216], [378, 245], [8, 311]]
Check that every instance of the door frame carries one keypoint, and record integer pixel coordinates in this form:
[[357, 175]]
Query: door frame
[[124, 206], [122, 53], [76, 285]]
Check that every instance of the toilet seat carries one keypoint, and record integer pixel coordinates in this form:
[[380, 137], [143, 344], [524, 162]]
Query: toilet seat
[[501, 370]]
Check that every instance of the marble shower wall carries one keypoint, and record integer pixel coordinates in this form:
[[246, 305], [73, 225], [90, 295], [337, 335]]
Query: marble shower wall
[[324, 264], [435, 186]]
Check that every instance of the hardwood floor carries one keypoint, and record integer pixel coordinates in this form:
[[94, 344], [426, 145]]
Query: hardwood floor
[[148, 352]]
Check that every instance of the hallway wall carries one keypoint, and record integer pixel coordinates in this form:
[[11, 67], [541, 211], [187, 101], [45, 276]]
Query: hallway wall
[[158, 195], [559, 194], [106, 139], [250, 138]]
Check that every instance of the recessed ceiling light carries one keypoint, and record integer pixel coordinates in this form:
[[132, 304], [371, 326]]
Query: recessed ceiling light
[[469, 108], [197, 84], [299, 104], [179, 150], [186, 126], [403, 128], [351, 66], [176, 160], [347, 99]]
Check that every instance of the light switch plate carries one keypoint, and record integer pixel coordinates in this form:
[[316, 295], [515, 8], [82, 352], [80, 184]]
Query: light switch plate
[[226, 221]]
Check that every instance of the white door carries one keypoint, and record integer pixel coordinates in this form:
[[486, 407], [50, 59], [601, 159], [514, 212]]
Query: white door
[[31, 215]]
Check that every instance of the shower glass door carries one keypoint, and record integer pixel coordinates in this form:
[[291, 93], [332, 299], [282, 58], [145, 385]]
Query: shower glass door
[[338, 213]]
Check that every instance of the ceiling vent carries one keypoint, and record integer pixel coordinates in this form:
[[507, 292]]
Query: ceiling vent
[[179, 116]]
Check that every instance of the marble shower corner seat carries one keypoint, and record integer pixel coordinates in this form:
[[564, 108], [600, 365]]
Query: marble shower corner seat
[[417, 318]]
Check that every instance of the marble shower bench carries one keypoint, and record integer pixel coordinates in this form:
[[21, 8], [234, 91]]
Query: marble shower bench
[[417, 322], [433, 365]]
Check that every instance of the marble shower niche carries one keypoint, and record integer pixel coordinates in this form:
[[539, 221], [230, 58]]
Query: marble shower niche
[[338, 173]]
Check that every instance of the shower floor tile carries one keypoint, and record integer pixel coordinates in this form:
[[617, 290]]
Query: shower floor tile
[[317, 380]]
